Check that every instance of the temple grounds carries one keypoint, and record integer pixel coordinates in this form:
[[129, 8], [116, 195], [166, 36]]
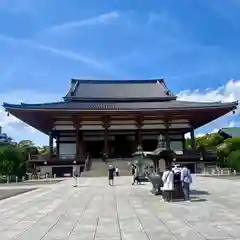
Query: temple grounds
[[98, 211]]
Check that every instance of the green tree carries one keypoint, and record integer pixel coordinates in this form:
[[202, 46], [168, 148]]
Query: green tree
[[187, 143], [13, 161], [26, 143], [234, 160], [234, 143], [209, 141], [28, 148], [44, 150]]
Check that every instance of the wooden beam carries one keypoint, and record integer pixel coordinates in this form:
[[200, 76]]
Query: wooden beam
[[167, 135], [106, 120]]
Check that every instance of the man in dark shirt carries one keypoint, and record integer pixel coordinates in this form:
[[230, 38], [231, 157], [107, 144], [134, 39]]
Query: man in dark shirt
[[111, 175]]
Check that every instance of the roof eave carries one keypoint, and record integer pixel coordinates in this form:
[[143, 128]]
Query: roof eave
[[38, 107]]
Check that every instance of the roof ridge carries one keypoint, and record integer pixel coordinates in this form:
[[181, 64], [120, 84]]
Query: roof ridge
[[119, 81]]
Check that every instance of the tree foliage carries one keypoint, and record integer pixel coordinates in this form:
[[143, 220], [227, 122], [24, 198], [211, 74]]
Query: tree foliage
[[228, 150], [234, 160], [14, 157], [13, 161], [209, 141]]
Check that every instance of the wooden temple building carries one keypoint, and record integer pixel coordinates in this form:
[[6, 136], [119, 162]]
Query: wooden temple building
[[115, 117]]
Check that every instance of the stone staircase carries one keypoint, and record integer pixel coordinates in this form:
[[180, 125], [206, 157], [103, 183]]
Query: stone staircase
[[100, 168]]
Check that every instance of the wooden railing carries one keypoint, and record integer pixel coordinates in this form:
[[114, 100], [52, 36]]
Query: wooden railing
[[54, 157]]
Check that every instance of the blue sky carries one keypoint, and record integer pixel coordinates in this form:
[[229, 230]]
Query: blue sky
[[194, 45]]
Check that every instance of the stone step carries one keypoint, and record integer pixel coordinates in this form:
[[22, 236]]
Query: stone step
[[100, 169]]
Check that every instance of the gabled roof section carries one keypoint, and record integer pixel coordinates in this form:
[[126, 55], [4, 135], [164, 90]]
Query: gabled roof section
[[119, 90], [230, 132]]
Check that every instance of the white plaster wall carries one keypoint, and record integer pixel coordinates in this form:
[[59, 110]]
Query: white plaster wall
[[64, 127], [153, 126], [122, 127], [67, 149], [176, 145], [179, 125], [46, 170], [91, 127], [63, 138]]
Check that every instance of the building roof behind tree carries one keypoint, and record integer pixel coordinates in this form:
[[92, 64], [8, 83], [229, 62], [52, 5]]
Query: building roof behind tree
[[230, 132]]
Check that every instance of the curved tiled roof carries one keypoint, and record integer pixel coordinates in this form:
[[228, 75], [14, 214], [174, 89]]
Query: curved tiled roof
[[116, 89], [130, 106]]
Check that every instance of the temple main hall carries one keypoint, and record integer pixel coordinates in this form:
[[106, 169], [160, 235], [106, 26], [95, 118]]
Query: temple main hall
[[113, 117]]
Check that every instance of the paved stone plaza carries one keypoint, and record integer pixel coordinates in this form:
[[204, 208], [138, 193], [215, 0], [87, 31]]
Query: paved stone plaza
[[98, 211]]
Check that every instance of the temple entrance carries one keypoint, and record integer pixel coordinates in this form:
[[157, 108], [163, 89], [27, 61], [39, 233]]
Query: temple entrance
[[94, 148], [122, 146], [149, 144]]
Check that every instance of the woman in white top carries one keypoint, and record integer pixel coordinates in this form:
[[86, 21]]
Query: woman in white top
[[168, 184], [117, 171]]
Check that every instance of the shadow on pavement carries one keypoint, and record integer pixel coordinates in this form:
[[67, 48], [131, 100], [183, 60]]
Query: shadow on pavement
[[199, 192], [193, 199], [7, 193]]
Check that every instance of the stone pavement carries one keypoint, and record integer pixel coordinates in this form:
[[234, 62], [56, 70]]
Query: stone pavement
[[101, 212]]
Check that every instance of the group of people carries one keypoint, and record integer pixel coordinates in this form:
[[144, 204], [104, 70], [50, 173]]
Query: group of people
[[184, 176], [181, 173]]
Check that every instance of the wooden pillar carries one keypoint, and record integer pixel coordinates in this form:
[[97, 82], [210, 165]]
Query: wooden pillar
[[183, 142], [77, 125], [167, 137], [193, 142], [139, 137], [77, 142], [139, 133], [57, 146], [50, 145], [81, 144], [106, 126]]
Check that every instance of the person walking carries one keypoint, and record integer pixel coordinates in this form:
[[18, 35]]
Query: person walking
[[133, 173], [168, 184], [111, 175], [186, 180], [117, 171], [75, 176], [136, 176]]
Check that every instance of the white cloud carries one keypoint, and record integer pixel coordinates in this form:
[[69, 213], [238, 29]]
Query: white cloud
[[227, 93], [74, 56], [65, 53], [18, 130], [100, 19]]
